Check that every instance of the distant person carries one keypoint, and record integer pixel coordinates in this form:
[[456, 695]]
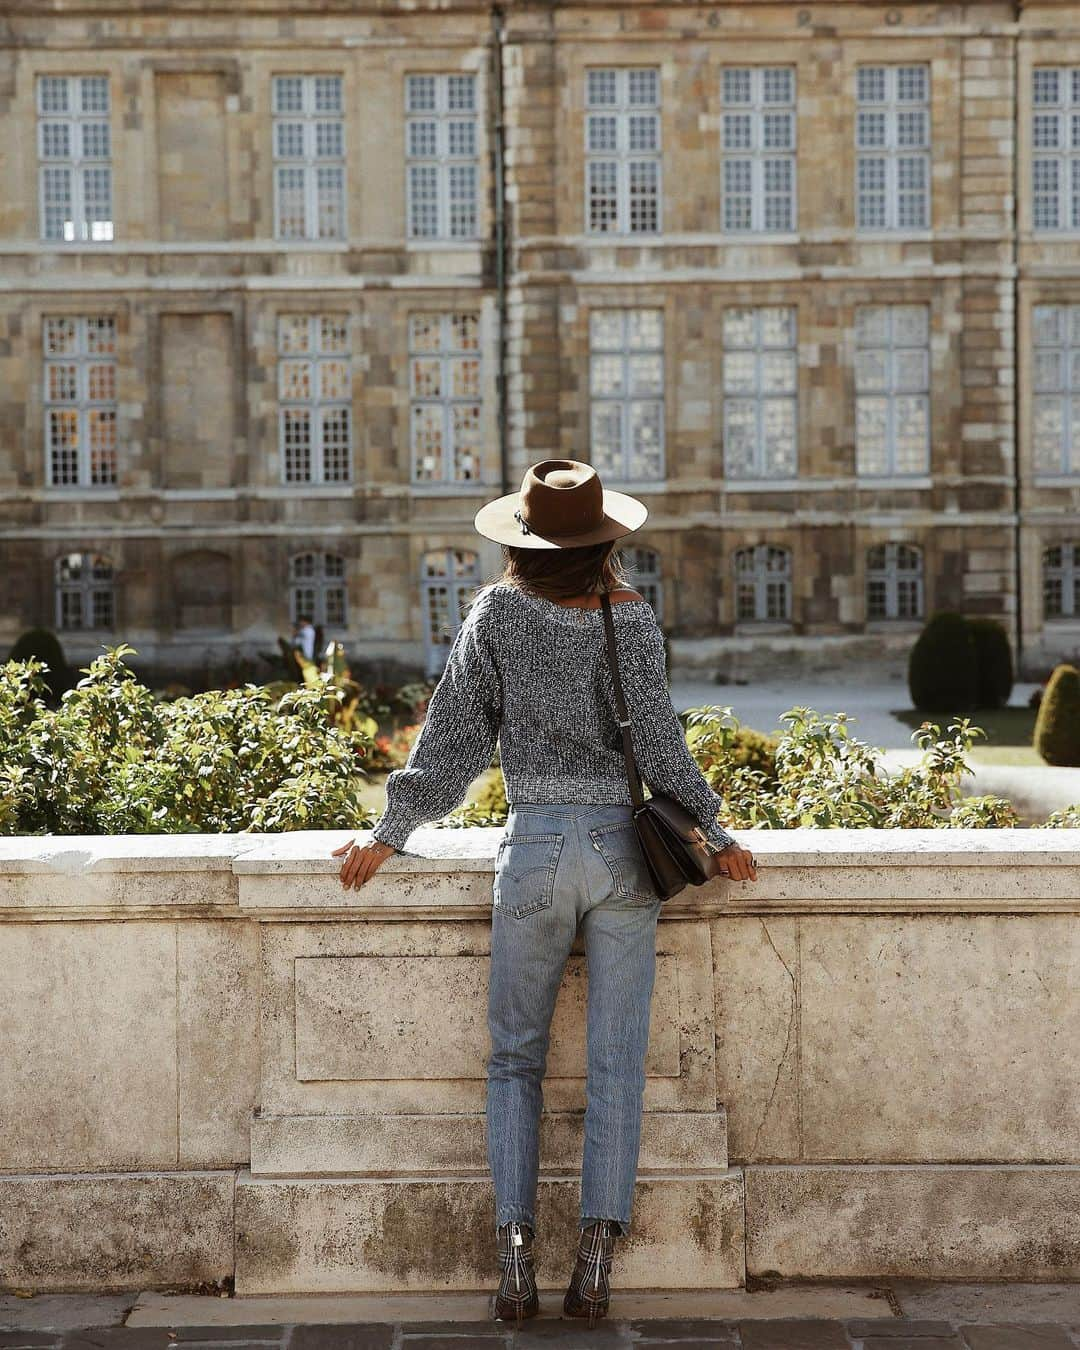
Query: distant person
[[304, 637]]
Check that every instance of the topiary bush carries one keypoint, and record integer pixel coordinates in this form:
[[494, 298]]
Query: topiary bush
[[943, 672], [39, 644], [1057, 727], [993, 656]]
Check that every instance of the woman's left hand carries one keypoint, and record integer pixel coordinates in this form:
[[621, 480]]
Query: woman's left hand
[[361, 861]]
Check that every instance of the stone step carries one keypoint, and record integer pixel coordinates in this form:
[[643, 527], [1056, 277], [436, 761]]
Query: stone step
[[455, 1144], [310, 1235]]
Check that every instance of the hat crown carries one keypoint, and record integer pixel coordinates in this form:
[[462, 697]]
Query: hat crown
[[562, 497]]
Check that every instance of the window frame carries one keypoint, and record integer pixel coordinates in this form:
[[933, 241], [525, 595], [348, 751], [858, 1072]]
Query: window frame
[[1066, 395], [757, 109], [891, 575], [890, 393], [76, 163], [310, 162], [87, 588], [892, 151], [83, 405], [316, 406], [443, 161], [321, 583], [626, 400], [623, 156], [1066, 572], [760, 577], [1065, 155], [759, 397], [446, 355]]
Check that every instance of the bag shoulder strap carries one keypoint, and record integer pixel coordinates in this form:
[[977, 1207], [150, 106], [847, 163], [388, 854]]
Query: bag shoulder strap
[[632, 775]]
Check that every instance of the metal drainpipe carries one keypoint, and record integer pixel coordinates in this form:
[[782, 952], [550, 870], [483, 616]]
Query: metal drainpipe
[[1018, 564], [498, 34]]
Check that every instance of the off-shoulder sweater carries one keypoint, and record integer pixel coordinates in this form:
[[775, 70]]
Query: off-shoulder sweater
[[533, 675]]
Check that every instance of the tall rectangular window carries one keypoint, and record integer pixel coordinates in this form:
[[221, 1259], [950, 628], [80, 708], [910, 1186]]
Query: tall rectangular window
[[626, 382], [75, 157], [759, 148], [315, 390], [444, 391], [1055, 148], [309, 157], [892, 389], [1056, 369], [442, 165], [622, 151], [760, 392], [892, 143], [80, 401]]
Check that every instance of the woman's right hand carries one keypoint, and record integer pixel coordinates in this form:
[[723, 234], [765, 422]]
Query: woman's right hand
[[739, 863]]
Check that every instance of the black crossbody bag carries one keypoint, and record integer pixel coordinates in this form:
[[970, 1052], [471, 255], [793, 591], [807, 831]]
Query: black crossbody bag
[[676, 849]]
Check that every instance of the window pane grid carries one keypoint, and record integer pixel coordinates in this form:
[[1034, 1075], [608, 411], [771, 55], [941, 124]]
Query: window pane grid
[[892, 140], [1061, 581], [1056, 395], [760, 392], [445, 407], [315, 393], [85, 594], [442, 164], [892, 389], [317, 589], [626, 382], [74, 157], [80, 401], [1055, 147], [894, 582], [758, 137], [309, 157], [763, 583], [622, 148]]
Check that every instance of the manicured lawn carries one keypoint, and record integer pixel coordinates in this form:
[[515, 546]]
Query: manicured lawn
[[1008, 733]]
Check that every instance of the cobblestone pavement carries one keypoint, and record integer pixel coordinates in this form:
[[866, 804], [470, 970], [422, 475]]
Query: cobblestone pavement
[[890, 1333]]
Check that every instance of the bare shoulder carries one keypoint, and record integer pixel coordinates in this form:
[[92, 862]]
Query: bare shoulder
[[618, 597]]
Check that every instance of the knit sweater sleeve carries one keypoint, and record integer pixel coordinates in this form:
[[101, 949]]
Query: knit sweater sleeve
[[456, 741], [663, 756]]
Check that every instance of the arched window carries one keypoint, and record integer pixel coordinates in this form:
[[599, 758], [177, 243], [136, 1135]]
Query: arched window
[[762, 583], [644, 567], [1061, 581], [448, 579], [894, 582], [317, 589], [85, 591]]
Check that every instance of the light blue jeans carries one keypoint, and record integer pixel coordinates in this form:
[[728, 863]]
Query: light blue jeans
[[559, 866]]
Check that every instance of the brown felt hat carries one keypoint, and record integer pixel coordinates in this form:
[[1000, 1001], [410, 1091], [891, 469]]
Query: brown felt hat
[[561, 504]]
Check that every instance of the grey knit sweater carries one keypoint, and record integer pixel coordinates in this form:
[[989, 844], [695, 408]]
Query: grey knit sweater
[[533, 675]]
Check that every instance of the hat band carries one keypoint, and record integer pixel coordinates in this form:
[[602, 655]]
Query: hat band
[[527, 528]]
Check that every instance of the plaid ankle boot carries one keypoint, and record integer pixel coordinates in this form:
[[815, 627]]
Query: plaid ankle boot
[[590, 1285], [517, 1297]]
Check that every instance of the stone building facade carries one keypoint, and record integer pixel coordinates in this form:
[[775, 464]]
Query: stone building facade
[[290, 289]]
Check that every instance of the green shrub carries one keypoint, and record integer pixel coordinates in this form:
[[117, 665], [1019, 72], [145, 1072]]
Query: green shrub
[[113, 759], [994, 663], [943, 666], [1057, 727], [722, 748], [39, 644]]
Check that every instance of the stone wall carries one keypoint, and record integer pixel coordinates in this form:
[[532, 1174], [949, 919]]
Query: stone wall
[[222, 1070]]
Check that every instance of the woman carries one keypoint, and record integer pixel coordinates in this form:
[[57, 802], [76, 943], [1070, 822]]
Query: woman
[[528, 668]]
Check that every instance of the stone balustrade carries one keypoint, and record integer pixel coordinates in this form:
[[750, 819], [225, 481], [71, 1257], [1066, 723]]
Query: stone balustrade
[[220, 1068]]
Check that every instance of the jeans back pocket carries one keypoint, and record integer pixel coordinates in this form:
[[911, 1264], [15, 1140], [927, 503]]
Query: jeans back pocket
[[620, 848], [525, 873]]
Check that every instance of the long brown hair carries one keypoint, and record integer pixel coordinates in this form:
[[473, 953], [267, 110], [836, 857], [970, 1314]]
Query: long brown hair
[[564, 573]]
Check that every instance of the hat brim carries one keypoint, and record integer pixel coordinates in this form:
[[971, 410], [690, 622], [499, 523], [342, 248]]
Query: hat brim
[[622, 515]]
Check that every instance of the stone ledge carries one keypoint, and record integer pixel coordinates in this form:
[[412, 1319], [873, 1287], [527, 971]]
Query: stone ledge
[[975, 1222], [373, 1146]]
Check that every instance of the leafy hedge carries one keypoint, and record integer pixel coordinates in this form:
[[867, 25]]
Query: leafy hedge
[[112, 759]]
